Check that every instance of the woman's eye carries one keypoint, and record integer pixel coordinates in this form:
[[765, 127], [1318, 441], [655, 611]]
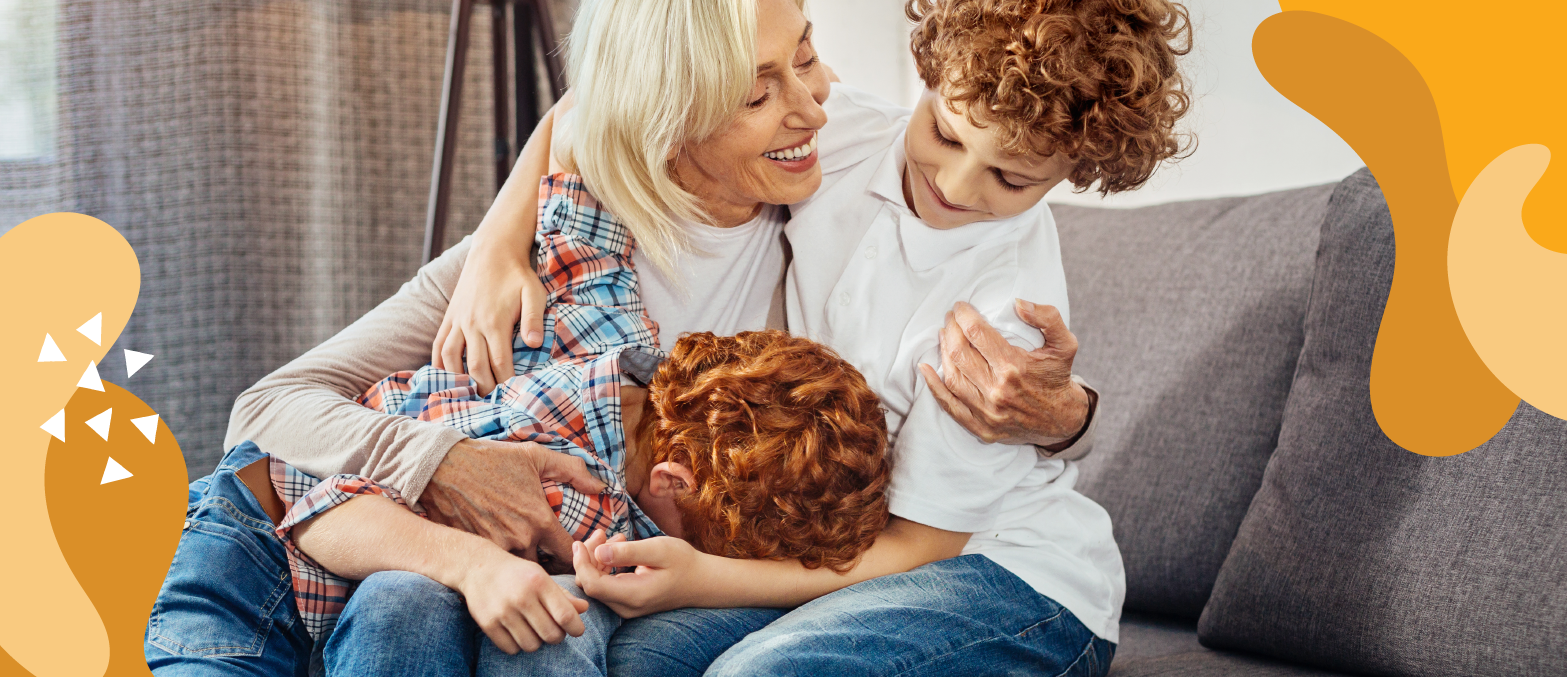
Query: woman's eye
[[758, 102], [809, 63], [942, 139]]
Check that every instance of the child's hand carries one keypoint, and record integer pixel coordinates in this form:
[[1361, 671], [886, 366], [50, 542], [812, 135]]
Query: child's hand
[[497, 287], [518, 606], [595, 540], [667, 571]]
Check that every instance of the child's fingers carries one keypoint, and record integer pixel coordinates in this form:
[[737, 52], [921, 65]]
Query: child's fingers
[[563, 608]]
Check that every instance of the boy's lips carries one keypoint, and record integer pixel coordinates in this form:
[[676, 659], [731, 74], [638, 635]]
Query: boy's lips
[[936, 194]]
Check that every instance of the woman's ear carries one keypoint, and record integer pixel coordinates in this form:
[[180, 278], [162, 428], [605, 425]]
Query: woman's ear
[[671, 480]]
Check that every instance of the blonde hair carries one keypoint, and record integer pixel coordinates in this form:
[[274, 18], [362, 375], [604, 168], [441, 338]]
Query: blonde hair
[[649, 76]]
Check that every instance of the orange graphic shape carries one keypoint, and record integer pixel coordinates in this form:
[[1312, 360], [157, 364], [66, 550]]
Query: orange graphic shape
[[1430, 391], [1494, 75], [1511, 293], [118, 537], [56, 272]]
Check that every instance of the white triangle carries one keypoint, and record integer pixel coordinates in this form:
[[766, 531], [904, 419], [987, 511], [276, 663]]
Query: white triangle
[[134, 361], [56, 425], [51, 351], [100, 424], [148, 425], [93, 329], [90, 378], [113, 472]]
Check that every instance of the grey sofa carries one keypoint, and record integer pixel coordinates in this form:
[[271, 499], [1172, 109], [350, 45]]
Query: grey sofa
[[1268, 526]]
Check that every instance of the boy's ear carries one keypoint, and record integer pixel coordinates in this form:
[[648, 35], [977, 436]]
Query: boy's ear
[[671, 480]]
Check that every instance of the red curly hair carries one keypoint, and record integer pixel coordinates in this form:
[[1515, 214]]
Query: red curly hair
[[787, 443], [1094, 79]]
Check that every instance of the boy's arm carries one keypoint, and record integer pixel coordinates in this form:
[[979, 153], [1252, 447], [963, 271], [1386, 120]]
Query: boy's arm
[[498, 285], [671, 574], [515, 603]]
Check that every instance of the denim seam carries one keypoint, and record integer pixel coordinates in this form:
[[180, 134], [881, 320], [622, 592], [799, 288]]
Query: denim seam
[[973, 644], [1087, 654], [234, 511], [278, 591]]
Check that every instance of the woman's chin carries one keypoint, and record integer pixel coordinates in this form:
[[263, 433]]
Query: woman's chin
[[790, 187]]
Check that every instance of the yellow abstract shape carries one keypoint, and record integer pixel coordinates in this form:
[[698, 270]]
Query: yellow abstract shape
[[1494, 73], [56, 272], [1430, 391], [118, 537], [1510, 292]]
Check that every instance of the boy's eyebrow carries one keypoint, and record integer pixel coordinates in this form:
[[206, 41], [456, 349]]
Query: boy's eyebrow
[[806, 35]]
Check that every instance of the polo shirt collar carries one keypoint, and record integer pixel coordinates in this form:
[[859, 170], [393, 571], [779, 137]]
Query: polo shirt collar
[[925, 247]]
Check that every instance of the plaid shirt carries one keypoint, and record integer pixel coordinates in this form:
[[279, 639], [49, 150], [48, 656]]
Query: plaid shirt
[[565, 396]]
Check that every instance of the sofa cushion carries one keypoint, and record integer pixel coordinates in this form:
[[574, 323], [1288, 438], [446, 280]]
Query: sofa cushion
[[1360, 556], [1206, 663], [1189, 320], [1144, 636]]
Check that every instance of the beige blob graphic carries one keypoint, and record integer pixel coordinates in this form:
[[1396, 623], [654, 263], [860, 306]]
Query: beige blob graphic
[[1510, 292]]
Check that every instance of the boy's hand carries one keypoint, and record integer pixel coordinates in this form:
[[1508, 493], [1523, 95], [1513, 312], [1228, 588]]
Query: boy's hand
[[1003, 393], [518, 606], [667, 570]]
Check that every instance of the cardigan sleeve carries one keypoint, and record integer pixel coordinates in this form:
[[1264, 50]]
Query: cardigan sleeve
[[306, 412]]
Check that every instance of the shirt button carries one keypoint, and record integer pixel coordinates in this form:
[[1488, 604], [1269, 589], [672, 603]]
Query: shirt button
[[870, 252], [843, 299]]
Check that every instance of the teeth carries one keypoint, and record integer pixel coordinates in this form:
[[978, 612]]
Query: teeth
[[794, 153]]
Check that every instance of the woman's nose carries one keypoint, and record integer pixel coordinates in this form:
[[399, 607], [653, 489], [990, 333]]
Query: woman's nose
[[805, 101]]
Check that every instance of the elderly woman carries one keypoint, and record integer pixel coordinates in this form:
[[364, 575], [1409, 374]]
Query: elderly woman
[[679, 104]]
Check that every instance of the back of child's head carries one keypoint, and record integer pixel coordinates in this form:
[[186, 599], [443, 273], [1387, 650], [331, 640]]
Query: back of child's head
[[787, 443], [1094, 79]]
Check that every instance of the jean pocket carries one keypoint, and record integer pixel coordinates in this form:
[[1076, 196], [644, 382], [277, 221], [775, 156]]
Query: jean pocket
[[221, 590]]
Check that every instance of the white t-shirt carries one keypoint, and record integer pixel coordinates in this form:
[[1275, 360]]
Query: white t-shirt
[[726, 285], [872, 281]]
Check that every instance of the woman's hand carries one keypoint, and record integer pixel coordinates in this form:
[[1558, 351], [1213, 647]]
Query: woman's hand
[[667, 568], [518, 606], [497, 287], [492, 489], [1003, 393]]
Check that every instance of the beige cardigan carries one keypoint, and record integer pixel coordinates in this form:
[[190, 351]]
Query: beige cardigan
[[306, 412]]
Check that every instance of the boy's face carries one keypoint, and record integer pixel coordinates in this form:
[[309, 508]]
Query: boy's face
[[956, 174]]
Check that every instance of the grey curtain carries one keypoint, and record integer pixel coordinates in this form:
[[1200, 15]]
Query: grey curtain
[[269, 161]]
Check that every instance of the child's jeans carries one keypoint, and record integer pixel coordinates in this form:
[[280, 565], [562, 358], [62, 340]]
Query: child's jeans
[[227, 606]]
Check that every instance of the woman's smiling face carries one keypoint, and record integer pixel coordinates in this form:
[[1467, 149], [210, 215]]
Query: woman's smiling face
[[766, 154], [956, 173]]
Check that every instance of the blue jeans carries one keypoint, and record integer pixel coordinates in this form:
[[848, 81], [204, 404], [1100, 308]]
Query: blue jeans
[[394, 617], [962, 616], [227, 606]]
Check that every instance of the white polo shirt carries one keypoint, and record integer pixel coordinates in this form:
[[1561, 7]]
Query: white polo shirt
[[872, 281]]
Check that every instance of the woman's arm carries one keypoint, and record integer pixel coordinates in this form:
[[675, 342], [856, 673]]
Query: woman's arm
[[498, 285], [513, 600], [670, 574], [1005, 394]]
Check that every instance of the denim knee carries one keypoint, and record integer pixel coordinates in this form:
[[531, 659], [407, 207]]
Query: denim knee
[[400, 601], [682, 642], [401, 623]]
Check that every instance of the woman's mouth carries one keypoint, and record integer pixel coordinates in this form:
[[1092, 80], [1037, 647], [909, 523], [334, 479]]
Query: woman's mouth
[[797, 159]]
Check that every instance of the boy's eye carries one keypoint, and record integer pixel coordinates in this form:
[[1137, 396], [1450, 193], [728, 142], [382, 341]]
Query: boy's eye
[[1005, 184], [942, 139]]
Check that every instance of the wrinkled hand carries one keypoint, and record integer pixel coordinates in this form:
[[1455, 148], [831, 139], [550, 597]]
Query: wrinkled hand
[[667, 568], [1003, 393], [518, 606], [492, 489], [497, 286]]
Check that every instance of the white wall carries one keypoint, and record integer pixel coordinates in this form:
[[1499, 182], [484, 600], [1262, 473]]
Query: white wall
[[1250, 138]]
